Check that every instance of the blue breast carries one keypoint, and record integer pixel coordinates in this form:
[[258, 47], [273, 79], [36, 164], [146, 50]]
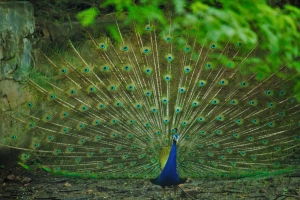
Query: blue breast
[[169, 175]]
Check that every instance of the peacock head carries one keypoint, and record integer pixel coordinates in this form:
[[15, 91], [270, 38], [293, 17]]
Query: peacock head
[[175, 137]]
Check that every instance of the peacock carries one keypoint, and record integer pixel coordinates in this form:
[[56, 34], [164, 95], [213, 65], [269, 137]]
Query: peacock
[[150, 107]]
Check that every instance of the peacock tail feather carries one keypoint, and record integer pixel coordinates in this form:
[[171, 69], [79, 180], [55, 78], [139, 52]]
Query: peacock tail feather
[[109, 109]]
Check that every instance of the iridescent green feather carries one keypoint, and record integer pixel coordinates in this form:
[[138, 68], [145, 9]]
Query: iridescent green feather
[[109, 110]]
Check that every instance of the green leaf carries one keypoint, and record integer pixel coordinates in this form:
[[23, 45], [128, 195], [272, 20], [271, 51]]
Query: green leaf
[[87, 17]]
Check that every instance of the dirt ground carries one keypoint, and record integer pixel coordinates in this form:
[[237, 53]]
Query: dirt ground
[[18, 183]]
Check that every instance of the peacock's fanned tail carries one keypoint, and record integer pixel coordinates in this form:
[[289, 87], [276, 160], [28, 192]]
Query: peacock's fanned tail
[[110, 110]]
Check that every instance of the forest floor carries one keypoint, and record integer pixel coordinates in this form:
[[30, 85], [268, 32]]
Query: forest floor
[[18, 183]]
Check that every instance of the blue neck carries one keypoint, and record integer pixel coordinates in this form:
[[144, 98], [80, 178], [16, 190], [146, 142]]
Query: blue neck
[[169, 175]]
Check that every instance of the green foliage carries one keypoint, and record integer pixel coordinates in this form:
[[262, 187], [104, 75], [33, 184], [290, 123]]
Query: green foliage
[[87, 16], [275, 31], [147, 10]]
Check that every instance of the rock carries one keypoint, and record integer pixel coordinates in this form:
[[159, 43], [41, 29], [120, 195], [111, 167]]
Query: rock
[[89, 192], [67, 184], [13, 95], [16, 27], [26, 179], [1, 52], [16, 60], [11, 177], [262, 191]]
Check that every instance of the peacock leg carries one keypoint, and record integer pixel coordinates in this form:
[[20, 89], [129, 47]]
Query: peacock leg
[[175, 189], [164, 191]]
